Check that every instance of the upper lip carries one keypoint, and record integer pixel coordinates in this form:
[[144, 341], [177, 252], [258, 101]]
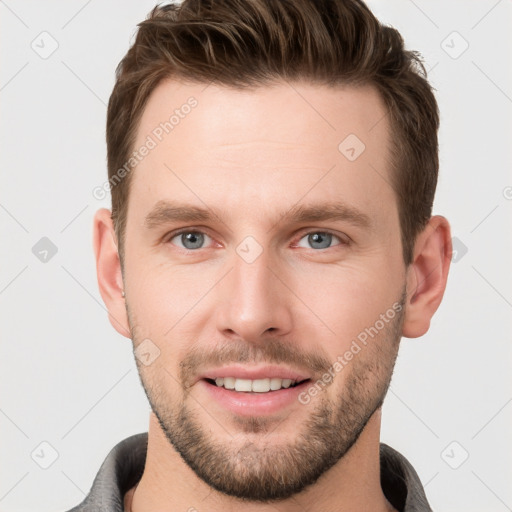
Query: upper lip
[[254, 372]]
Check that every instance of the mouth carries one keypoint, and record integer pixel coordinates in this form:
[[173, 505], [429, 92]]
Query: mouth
[[255, 386], [254, 390], [269, 392]]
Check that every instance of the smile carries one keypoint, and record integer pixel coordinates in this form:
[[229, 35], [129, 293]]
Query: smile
[[264, 385]]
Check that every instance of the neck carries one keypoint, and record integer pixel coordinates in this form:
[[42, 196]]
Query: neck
[[169, 485]]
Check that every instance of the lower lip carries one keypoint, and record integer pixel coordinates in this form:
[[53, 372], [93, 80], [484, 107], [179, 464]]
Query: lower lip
[[254, 404]]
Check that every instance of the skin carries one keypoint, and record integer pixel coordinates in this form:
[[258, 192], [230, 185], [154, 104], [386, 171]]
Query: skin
[[252, 157]]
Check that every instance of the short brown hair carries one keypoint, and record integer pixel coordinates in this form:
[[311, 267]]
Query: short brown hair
[[251, 43]]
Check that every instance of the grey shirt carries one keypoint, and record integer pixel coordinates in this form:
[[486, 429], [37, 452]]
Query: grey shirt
[[124, 465]]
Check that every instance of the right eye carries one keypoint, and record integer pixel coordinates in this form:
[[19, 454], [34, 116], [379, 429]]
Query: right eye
[[189, 240]]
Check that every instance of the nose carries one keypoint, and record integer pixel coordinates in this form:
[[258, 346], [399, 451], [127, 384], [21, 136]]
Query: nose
[[253, 301]]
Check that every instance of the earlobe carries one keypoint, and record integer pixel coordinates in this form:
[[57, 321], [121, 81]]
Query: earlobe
[[108, 271], [427, 276]]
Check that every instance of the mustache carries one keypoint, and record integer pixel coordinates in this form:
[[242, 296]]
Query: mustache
[[273, 351]]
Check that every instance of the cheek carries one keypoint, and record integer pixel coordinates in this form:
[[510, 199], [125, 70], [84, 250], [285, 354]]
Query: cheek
[[161, 383], [346, 299], [163, 296]]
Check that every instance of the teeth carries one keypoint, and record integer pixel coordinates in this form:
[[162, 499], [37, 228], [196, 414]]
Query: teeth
[[243, 385], [260, 385], [275, 384], [286, 383], [229, 382], [255, 386]]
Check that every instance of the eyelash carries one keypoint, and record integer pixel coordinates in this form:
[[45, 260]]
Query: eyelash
[[178, 232]]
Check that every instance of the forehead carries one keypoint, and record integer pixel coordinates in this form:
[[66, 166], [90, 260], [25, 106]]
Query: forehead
[[284, 138], [279, 110]]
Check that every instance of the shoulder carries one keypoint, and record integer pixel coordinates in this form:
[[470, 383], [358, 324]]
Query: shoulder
[[120, 471], [400, 482]]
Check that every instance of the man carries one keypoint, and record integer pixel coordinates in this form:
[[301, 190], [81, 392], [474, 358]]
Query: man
[[272, 166]]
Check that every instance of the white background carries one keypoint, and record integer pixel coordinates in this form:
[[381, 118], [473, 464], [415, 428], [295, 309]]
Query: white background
[[68, 379]]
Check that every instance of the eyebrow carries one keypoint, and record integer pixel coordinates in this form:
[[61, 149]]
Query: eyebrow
[[165, 212]]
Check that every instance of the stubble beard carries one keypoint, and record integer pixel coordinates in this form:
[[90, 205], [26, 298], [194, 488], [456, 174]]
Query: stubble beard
[[253, 467]]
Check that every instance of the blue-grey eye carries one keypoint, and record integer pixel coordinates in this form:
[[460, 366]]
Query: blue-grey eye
[[318, 240], [190, 240]]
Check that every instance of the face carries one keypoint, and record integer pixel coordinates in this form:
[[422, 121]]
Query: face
[[262, 247]]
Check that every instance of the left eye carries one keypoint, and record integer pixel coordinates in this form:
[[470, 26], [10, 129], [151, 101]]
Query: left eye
[[318, 240], [190, 240]]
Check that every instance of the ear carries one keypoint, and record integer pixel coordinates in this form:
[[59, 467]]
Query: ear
[[108, 271], [427, 276]]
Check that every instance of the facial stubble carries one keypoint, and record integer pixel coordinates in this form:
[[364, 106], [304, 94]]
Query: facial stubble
[[259, 469]]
